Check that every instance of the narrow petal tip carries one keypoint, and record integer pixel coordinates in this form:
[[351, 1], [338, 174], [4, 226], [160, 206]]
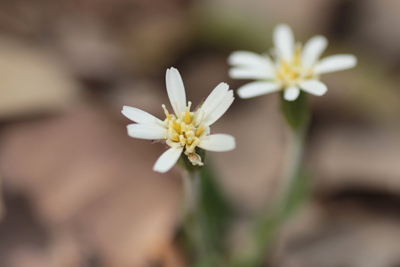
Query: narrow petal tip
[[167, 160], [335, 63], [282, 27], [284, 41], [256, 89], [218, 143], [314, 87], [171, 69], [291, 93]]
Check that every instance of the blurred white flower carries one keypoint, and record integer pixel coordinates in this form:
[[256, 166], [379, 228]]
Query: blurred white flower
[[290, 67], [184, 130]]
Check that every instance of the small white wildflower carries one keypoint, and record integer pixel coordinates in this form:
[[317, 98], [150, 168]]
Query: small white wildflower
[[184, 130], [290, 68]]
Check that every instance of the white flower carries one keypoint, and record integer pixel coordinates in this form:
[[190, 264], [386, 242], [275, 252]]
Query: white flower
[[184, 130], [290, 68]]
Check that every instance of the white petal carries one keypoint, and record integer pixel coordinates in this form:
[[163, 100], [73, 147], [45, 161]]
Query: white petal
[[284, 41], [175, 90], [147, 131], [291, 93], [335, 63], [220, 110], [251, 73], [214, 99], [139, 116], [314, 87], [167, 160], [257, 88], [312, 50], [249, 59], [218, 142]]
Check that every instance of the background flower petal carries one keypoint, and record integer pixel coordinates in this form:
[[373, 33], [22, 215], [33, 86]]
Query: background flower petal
[[312, 50], [218, 143], [167, 160], [251, 73], [249, 59], [291, 93], [257, 88], [335, 63], [284, 41], [314, 87]]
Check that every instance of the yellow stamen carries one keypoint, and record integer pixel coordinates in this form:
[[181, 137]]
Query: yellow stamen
[[187, 117], [297, 54], [285, 67], [182, 140], [187, 113], [190, 148], [310, 75], [199, 131], [189, 141], [177, 127], [166, 112], [175, 138]]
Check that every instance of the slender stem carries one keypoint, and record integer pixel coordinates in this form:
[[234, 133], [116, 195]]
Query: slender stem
[[192, 216], [293, 163], [296, 114], [191, 191]]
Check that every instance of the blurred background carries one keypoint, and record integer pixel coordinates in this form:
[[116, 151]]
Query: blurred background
[[78, 192]]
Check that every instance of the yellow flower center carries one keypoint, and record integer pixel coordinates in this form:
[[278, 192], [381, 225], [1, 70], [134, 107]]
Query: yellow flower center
[[182, 132], [292, 73]]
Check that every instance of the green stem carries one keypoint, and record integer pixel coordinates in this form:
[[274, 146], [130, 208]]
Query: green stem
[[192, 195], [296, 114], [292, 164], [191, 191]]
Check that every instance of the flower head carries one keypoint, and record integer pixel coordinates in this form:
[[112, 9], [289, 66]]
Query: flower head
[[290, 67], [183, 130]]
